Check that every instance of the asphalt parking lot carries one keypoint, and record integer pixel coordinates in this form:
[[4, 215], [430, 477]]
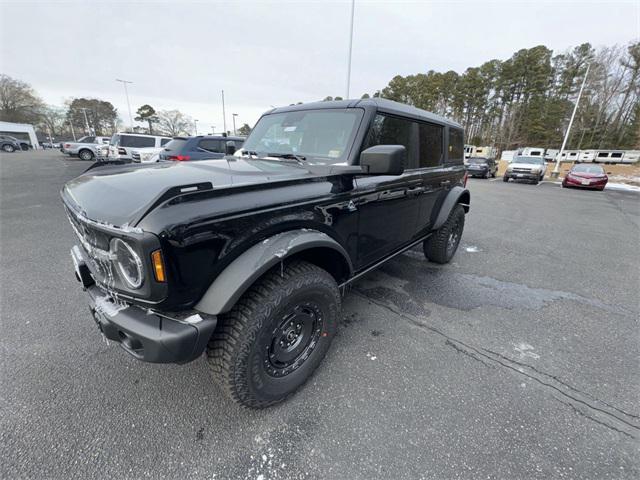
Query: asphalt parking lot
[[517, 360]]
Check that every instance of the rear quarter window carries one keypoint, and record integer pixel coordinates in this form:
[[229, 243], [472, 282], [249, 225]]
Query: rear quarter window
[[456, 145], [136, 141], [175, 145]]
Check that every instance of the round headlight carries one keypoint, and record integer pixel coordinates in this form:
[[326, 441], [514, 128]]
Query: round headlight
[[128, 263]]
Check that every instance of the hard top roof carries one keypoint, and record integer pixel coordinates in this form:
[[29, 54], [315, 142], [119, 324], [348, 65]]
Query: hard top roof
[[381, 104]]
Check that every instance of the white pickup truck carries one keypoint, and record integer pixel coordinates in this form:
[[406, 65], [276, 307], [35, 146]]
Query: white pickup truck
[[85, 148]]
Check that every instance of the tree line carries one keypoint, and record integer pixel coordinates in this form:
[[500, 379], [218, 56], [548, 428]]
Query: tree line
[[20, 103], [527, 99]]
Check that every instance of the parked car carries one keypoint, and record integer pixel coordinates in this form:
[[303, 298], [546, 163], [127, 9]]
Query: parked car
[[146, 155], [586, 175], [526, 168], [482, 167], [202, 147], [11, 144], [85, 148], [244, 256], [122, 144]]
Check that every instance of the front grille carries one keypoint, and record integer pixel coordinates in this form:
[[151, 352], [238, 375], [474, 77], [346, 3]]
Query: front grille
[[521, 170]]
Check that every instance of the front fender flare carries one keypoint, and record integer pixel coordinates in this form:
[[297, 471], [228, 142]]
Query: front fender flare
[[456, 195], [241, 273]]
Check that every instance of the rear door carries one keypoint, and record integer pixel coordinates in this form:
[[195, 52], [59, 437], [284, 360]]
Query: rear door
[[208, 148]]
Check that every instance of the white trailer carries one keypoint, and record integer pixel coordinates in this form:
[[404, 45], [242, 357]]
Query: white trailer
[[532, 152], [631, 156], [550, 154], [587, 155], [486, 152], [609, 156], [507, 155]]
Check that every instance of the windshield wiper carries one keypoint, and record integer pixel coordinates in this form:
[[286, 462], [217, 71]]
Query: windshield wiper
[[290, 156]]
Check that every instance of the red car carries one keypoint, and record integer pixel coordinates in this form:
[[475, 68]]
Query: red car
[[586, 175]]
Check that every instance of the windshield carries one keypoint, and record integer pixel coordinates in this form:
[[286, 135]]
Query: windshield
[[596, 169], [323, 136], [534, 160], [478, 160]]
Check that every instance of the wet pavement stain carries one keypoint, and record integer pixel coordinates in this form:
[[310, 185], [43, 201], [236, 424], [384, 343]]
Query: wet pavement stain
[[407, 281]]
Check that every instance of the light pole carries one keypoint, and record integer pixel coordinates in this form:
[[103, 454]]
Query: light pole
[[126, 93], [195, 125], [234, 115], [556, 169], [353, 6], [224, 116], [86, 121]]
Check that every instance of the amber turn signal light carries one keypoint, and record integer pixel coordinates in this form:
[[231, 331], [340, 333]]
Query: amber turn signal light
[[158, 266]]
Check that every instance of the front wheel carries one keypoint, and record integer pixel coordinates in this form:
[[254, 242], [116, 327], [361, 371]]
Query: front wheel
[[442, 245], [8, 148], [277, 334]]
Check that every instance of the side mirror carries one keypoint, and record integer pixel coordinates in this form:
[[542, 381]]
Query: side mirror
[[230, 147], [383, 160]]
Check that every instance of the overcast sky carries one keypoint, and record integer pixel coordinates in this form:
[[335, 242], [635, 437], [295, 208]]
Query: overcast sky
[[181, 54]]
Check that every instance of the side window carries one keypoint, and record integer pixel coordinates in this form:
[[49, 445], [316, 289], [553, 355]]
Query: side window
[[89, 139], [211, 146], [455, 145], [137, 142], [430, 145], [386, 130], [164, 141]]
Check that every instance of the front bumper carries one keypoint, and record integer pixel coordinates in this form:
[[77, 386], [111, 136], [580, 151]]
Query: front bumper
[[590, 183], [148, 335], [523, 175]]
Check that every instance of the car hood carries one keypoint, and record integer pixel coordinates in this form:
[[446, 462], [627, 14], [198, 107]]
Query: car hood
[[122, 195], [530, 166], [587, 175]]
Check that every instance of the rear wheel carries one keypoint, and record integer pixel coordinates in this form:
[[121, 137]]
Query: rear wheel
[[85, 155], [442, 245], [8, 148], [277, 334]]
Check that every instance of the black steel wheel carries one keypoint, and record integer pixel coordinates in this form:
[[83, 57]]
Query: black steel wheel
[[277, 334], [443, 244]]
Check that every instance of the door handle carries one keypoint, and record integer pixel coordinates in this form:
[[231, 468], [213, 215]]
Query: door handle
[[415, 191], [444, 183]]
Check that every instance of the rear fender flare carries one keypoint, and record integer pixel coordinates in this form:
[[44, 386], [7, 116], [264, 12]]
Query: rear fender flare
[[456, 195], [241, 273]]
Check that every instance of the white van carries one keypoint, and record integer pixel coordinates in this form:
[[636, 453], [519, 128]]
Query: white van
[[122, 144], [609, 156], [550, 154], [485, 152], [468, 151], [587, 155], [532, 152], [631, 156]]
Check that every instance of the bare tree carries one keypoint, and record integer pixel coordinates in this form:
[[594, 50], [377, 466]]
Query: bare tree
[[18, 101], [174, 123]]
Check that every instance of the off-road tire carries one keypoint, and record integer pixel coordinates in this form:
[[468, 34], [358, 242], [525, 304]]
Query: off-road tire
[[8, 148], [86, 155], [238, 351], [437, 247]]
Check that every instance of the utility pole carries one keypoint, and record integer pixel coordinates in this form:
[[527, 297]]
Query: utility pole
[[556, 170], [224, 116], [126, 93], [86, 121], [234, 115], [353, 6]]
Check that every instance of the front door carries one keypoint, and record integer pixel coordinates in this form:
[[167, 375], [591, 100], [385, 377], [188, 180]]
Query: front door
[[388, 212]]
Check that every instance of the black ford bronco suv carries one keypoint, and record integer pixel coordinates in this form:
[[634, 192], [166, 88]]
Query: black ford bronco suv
[[244, 257]]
